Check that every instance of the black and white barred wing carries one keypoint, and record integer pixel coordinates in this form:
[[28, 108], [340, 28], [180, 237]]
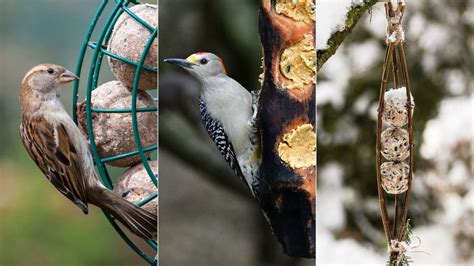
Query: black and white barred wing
[[218, 135]]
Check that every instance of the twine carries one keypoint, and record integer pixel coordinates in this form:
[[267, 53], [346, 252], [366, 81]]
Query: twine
[[395, 33], [402, 247]]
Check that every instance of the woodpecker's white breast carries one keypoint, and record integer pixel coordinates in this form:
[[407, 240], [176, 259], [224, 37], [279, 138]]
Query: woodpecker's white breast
[[231, 104]]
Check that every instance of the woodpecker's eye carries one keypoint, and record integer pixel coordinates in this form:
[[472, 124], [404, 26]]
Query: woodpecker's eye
[[50, 71], [204, 61]]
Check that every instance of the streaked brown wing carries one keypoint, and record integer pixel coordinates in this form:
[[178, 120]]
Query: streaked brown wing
[[54, 153]]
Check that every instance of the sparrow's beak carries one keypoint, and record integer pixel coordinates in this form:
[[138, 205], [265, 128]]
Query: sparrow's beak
[[67, 77], [180, 62]]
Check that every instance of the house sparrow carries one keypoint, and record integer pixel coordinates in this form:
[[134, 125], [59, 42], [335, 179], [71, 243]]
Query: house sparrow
[[60, 150]]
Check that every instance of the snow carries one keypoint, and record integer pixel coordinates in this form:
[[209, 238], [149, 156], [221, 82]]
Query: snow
[[398, 96], [416, 26], [332, 196], [458, 175], [360, 59], [438, 242], [331, 251], [376, 23], [433, 39], [455, 81], [338, 70], [331, 18], [326, 94], [453, 208], [452, 176], [395, 36], [361, 104], [338, 80], [454, 123]]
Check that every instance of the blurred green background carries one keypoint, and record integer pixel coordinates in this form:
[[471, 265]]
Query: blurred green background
[[39, 226]]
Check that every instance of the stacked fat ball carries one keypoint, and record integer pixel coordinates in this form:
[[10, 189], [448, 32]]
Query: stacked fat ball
[[113, 132], [395, 144], [128, 40], [135, 186], [112, 128], [395, 141]]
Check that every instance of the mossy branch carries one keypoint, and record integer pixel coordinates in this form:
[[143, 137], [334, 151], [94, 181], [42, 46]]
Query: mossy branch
[[337, 37]]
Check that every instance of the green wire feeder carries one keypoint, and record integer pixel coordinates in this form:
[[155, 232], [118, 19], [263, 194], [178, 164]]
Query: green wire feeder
[[99, 49]]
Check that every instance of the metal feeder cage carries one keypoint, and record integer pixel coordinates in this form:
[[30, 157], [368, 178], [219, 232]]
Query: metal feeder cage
[[98, 49]]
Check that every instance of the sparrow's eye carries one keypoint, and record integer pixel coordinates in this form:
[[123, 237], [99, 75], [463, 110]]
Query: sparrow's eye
[[50, 71], [204, 61]]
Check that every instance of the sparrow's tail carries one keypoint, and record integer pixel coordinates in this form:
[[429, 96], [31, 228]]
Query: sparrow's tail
[[141, 222]]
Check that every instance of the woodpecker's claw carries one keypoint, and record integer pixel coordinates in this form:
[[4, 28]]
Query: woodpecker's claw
[[180, 62]]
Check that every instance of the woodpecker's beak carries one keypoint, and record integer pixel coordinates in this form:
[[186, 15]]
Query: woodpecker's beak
[[180, 62], [67, 77]]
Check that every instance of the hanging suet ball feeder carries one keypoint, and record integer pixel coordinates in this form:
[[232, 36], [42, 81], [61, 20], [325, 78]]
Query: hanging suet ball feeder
[[96, 45]]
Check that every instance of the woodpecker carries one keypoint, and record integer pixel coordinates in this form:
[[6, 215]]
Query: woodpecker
[[229, 114]]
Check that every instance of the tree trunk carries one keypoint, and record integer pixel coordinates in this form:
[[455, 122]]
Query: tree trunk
[[288, 123]]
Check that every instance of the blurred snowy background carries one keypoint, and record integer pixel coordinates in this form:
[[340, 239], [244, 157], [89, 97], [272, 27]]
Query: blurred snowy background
[[439, 46]]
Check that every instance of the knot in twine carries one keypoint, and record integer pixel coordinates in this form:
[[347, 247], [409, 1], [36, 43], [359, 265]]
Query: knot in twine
[[402, 247], [395, 33]]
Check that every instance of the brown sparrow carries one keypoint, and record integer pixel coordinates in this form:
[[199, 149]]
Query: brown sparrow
[[60, 150]]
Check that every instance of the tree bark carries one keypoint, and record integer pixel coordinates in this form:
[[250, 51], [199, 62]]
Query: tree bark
[[287, 121]]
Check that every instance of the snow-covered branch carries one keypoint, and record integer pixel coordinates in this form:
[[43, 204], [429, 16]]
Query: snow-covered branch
[[335, 22]]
